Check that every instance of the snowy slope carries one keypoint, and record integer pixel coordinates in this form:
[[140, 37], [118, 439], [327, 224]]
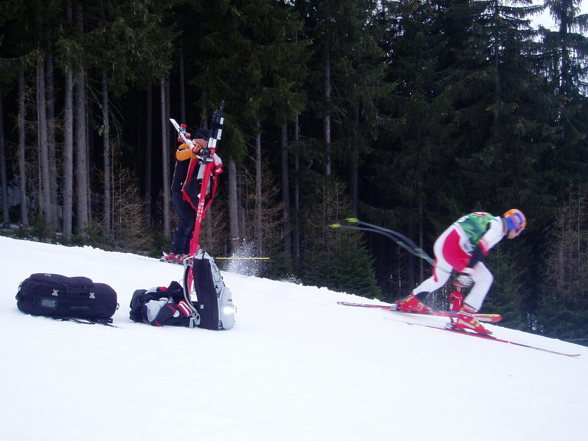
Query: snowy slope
[[297, 366]]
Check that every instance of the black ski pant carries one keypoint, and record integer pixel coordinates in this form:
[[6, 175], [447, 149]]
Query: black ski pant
[[183, 232]]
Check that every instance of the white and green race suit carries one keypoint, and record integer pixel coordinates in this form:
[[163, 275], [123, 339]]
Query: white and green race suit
[[462, 247]]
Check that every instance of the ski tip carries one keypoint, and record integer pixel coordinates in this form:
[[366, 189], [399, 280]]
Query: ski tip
[[335, 225], [352, 220]]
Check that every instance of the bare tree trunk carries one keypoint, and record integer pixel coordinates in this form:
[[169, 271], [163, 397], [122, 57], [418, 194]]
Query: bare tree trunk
[[355, 140], [107, 223], [24, 213], [296, 236], [421, 237], [165, 161], [286, 194], [45, 182], [51, 141], [3, 177], [68, 156], [242, 201], [182, 89], [171, 137], [81, 149], [148, 153], [90, 150], [233, 206], [327, 119], [258, 192]]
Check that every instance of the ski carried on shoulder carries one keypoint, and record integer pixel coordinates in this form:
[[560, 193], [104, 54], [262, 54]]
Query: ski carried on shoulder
[[488, 318], [483, 336]]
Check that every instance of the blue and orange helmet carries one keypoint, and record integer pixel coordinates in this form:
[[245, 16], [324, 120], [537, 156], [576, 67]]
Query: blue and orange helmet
[[515, 220]]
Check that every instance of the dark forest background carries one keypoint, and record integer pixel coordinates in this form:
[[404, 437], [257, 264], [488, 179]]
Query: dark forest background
[[406, 114]]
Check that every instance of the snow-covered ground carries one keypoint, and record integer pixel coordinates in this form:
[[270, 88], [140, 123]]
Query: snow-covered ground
[[296, 367]]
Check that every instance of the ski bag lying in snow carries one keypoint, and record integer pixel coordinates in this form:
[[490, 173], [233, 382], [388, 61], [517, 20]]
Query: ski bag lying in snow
[[214, 301], [162, 306], [57, 296]]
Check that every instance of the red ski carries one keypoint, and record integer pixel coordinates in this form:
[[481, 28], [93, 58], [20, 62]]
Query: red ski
[[488, 318], [486, 337]]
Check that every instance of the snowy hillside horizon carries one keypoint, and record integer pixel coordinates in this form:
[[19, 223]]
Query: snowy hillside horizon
[[296, 366]]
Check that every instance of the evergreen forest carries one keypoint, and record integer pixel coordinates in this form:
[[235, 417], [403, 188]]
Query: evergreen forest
[[405, 114]]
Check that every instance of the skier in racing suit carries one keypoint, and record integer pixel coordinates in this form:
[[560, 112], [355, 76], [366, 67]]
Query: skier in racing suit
[[462, 247]]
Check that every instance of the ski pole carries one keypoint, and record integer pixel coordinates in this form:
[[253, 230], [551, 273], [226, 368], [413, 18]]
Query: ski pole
[[399, 239]]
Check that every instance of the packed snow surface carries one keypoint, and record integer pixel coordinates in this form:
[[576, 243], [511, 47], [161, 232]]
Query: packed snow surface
[[296, 367]]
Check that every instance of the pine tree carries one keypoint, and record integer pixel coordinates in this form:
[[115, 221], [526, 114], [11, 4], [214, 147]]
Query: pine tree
[[563, 308], [359, 76], [507, 294], [283, 74], [510, 100], [28, 32], [411, 164], [268, 207], [334, 258], [129, 226], [564, 53], [124, 40]]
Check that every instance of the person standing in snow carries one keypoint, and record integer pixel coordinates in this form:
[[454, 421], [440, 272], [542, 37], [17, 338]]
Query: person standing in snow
[[462, 247], [185, 191]]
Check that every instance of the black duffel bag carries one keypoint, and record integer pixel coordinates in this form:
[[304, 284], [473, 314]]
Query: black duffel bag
[[57, 296]]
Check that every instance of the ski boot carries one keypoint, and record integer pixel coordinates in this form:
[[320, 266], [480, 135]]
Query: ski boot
[[465, 320], [413, 304]]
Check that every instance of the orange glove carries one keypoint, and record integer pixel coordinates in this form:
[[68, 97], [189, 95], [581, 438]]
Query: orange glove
[[184, 153]]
